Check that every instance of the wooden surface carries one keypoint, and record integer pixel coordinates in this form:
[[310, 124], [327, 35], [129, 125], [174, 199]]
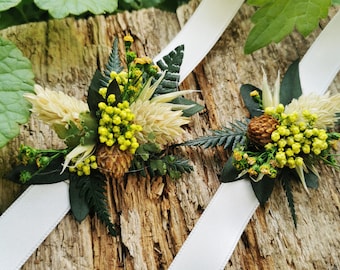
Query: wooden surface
[[156, 215]]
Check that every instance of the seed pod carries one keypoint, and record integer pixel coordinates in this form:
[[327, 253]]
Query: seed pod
[[113, 162], [260, 129]]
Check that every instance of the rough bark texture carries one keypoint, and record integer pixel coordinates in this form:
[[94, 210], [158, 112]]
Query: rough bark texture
[[156, 215]]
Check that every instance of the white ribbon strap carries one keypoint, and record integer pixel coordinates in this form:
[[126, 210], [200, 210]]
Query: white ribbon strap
[[322, 61], [213, 239], [201, 32], [35, 214], [215, 235], [29, 220]]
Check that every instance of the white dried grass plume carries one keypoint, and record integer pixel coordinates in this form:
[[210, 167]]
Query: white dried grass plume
[[324, 106], [54, 107], [270, 96], [159, 117]]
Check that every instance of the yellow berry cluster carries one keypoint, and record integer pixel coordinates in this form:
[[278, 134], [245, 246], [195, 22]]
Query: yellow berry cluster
[[295, 137], [116, 125], [128, 82], [84, 167], [254, 163]]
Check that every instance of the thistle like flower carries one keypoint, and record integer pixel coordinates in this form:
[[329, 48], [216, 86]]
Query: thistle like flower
[[158, 117], [55, 108], [324, 107]]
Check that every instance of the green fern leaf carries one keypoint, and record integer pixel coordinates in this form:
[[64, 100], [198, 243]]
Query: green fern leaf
[[103, 80], [176, 166], [97, 200], [228, 137], [113, 64], [93, 190], [170, 63]]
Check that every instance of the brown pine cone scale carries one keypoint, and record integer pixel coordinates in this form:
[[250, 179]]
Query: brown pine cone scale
[[260, 129], [112, 161]]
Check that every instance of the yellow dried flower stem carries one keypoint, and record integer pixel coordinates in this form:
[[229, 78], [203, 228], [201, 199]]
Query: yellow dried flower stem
[[294, 137], [84, 167], [128, 38], [116, 126], [256, 164]]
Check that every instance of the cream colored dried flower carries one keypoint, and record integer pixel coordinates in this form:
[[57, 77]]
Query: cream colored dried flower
[[157, 116], [55, 107], [270, 97], [324, 106], [80, 153]]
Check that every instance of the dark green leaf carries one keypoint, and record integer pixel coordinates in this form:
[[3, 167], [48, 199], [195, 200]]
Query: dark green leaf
[[171, 5], [71, 135], [263, 189], [252, 106], [312, 181], [290, 86], [26, 11], [113, 88], [79, 206], [149, 158], [9, 18], [191, 111], [168, 5], [99, 80], [229, 172], [286, 176], [49, 175], [93, 96]]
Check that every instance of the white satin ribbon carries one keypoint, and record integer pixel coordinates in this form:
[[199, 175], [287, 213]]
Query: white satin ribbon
[[321, 63], [210, 245], [28, 221], [201, 32], [39, 209], [216, 233]]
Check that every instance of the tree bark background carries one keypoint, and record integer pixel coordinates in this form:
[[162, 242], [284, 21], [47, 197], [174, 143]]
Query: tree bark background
[[156, 215]]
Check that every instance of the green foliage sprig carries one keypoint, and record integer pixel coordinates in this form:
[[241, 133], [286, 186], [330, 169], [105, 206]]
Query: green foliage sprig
[[226, 137], [151, 160], [16, 78], [24, 11], [275, 19]]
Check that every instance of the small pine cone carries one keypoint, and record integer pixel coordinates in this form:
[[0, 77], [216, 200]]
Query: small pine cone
[[261, 128], [112, 161]]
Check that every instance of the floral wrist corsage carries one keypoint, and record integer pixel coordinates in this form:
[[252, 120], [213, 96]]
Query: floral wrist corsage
[[286, 135], [132, 114]]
